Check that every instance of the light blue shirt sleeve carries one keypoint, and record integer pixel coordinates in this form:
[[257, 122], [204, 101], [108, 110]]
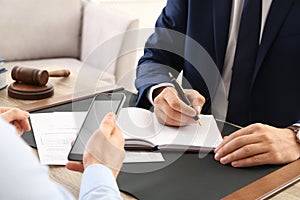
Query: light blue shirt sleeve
[[22, 176], [98, 182]]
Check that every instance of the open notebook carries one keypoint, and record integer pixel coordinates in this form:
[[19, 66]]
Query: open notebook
[[142, 131]]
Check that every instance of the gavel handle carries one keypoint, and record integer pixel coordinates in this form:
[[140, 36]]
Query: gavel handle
[[59, 73]]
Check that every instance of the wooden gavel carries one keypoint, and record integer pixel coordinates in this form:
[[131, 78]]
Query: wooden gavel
[[35, 76]]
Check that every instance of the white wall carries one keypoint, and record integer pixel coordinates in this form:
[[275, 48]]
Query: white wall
[[146, 10]]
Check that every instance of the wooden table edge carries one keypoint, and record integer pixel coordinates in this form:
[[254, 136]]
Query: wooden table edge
[[50, 102], [270, 184]]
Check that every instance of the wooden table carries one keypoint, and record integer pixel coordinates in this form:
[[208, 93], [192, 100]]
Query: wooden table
[[281, 184]]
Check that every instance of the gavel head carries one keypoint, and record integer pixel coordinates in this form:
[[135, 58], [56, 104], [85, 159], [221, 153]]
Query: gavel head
[[30, 75]]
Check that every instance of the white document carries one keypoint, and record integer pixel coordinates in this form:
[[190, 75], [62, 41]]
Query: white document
[[54, 133], [141, 156]]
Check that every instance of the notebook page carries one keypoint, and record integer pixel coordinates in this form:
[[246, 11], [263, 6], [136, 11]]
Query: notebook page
[[206, 135], [136, 123]]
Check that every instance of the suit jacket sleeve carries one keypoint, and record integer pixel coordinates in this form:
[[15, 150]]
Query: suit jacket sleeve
[[159, 57]]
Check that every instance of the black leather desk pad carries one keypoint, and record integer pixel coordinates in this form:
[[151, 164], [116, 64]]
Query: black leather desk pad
[[189, 177], [181, 176]]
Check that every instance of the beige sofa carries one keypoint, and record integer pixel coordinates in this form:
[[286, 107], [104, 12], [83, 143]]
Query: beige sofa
[[82, 36]]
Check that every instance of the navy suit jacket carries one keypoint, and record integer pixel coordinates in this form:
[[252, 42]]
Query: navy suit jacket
[[275, 89]]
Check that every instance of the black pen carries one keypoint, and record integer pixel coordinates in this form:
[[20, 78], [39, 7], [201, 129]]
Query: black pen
[[180, 92]]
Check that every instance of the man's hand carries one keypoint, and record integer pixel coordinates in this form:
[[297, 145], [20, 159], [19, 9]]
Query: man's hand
[[16, 117], [171, 110], [106, 146], [258, 144]]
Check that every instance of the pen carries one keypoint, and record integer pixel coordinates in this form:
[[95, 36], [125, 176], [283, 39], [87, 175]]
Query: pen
[[182, 95]]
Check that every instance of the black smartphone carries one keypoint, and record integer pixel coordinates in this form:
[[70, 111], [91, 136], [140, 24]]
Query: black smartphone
[[102, 104]]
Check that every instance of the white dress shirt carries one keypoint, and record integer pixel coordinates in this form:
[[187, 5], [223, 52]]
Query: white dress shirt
[[22, 176]]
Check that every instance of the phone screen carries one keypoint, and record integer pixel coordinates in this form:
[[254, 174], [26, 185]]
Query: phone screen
[[100, 106]]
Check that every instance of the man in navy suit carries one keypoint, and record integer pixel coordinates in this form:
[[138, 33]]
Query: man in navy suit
[[263, 96]]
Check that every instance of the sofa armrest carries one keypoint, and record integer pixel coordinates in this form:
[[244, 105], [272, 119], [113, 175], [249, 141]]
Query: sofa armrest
[[104, 38]]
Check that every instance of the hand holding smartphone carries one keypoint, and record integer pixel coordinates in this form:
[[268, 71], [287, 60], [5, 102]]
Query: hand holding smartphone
[[102, 104]]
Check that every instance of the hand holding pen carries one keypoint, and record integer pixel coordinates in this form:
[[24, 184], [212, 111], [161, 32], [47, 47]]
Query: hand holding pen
[[171, 110], [182, 95]]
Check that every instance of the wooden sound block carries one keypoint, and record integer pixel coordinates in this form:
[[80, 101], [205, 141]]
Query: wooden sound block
[[30, 92]]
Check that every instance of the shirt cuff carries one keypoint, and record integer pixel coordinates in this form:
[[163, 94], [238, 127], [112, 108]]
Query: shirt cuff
[[98, 181], [297, 123], [150, 91]]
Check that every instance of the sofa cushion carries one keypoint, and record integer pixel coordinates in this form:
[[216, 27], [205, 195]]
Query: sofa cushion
[[101, 46], [34, 29]]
